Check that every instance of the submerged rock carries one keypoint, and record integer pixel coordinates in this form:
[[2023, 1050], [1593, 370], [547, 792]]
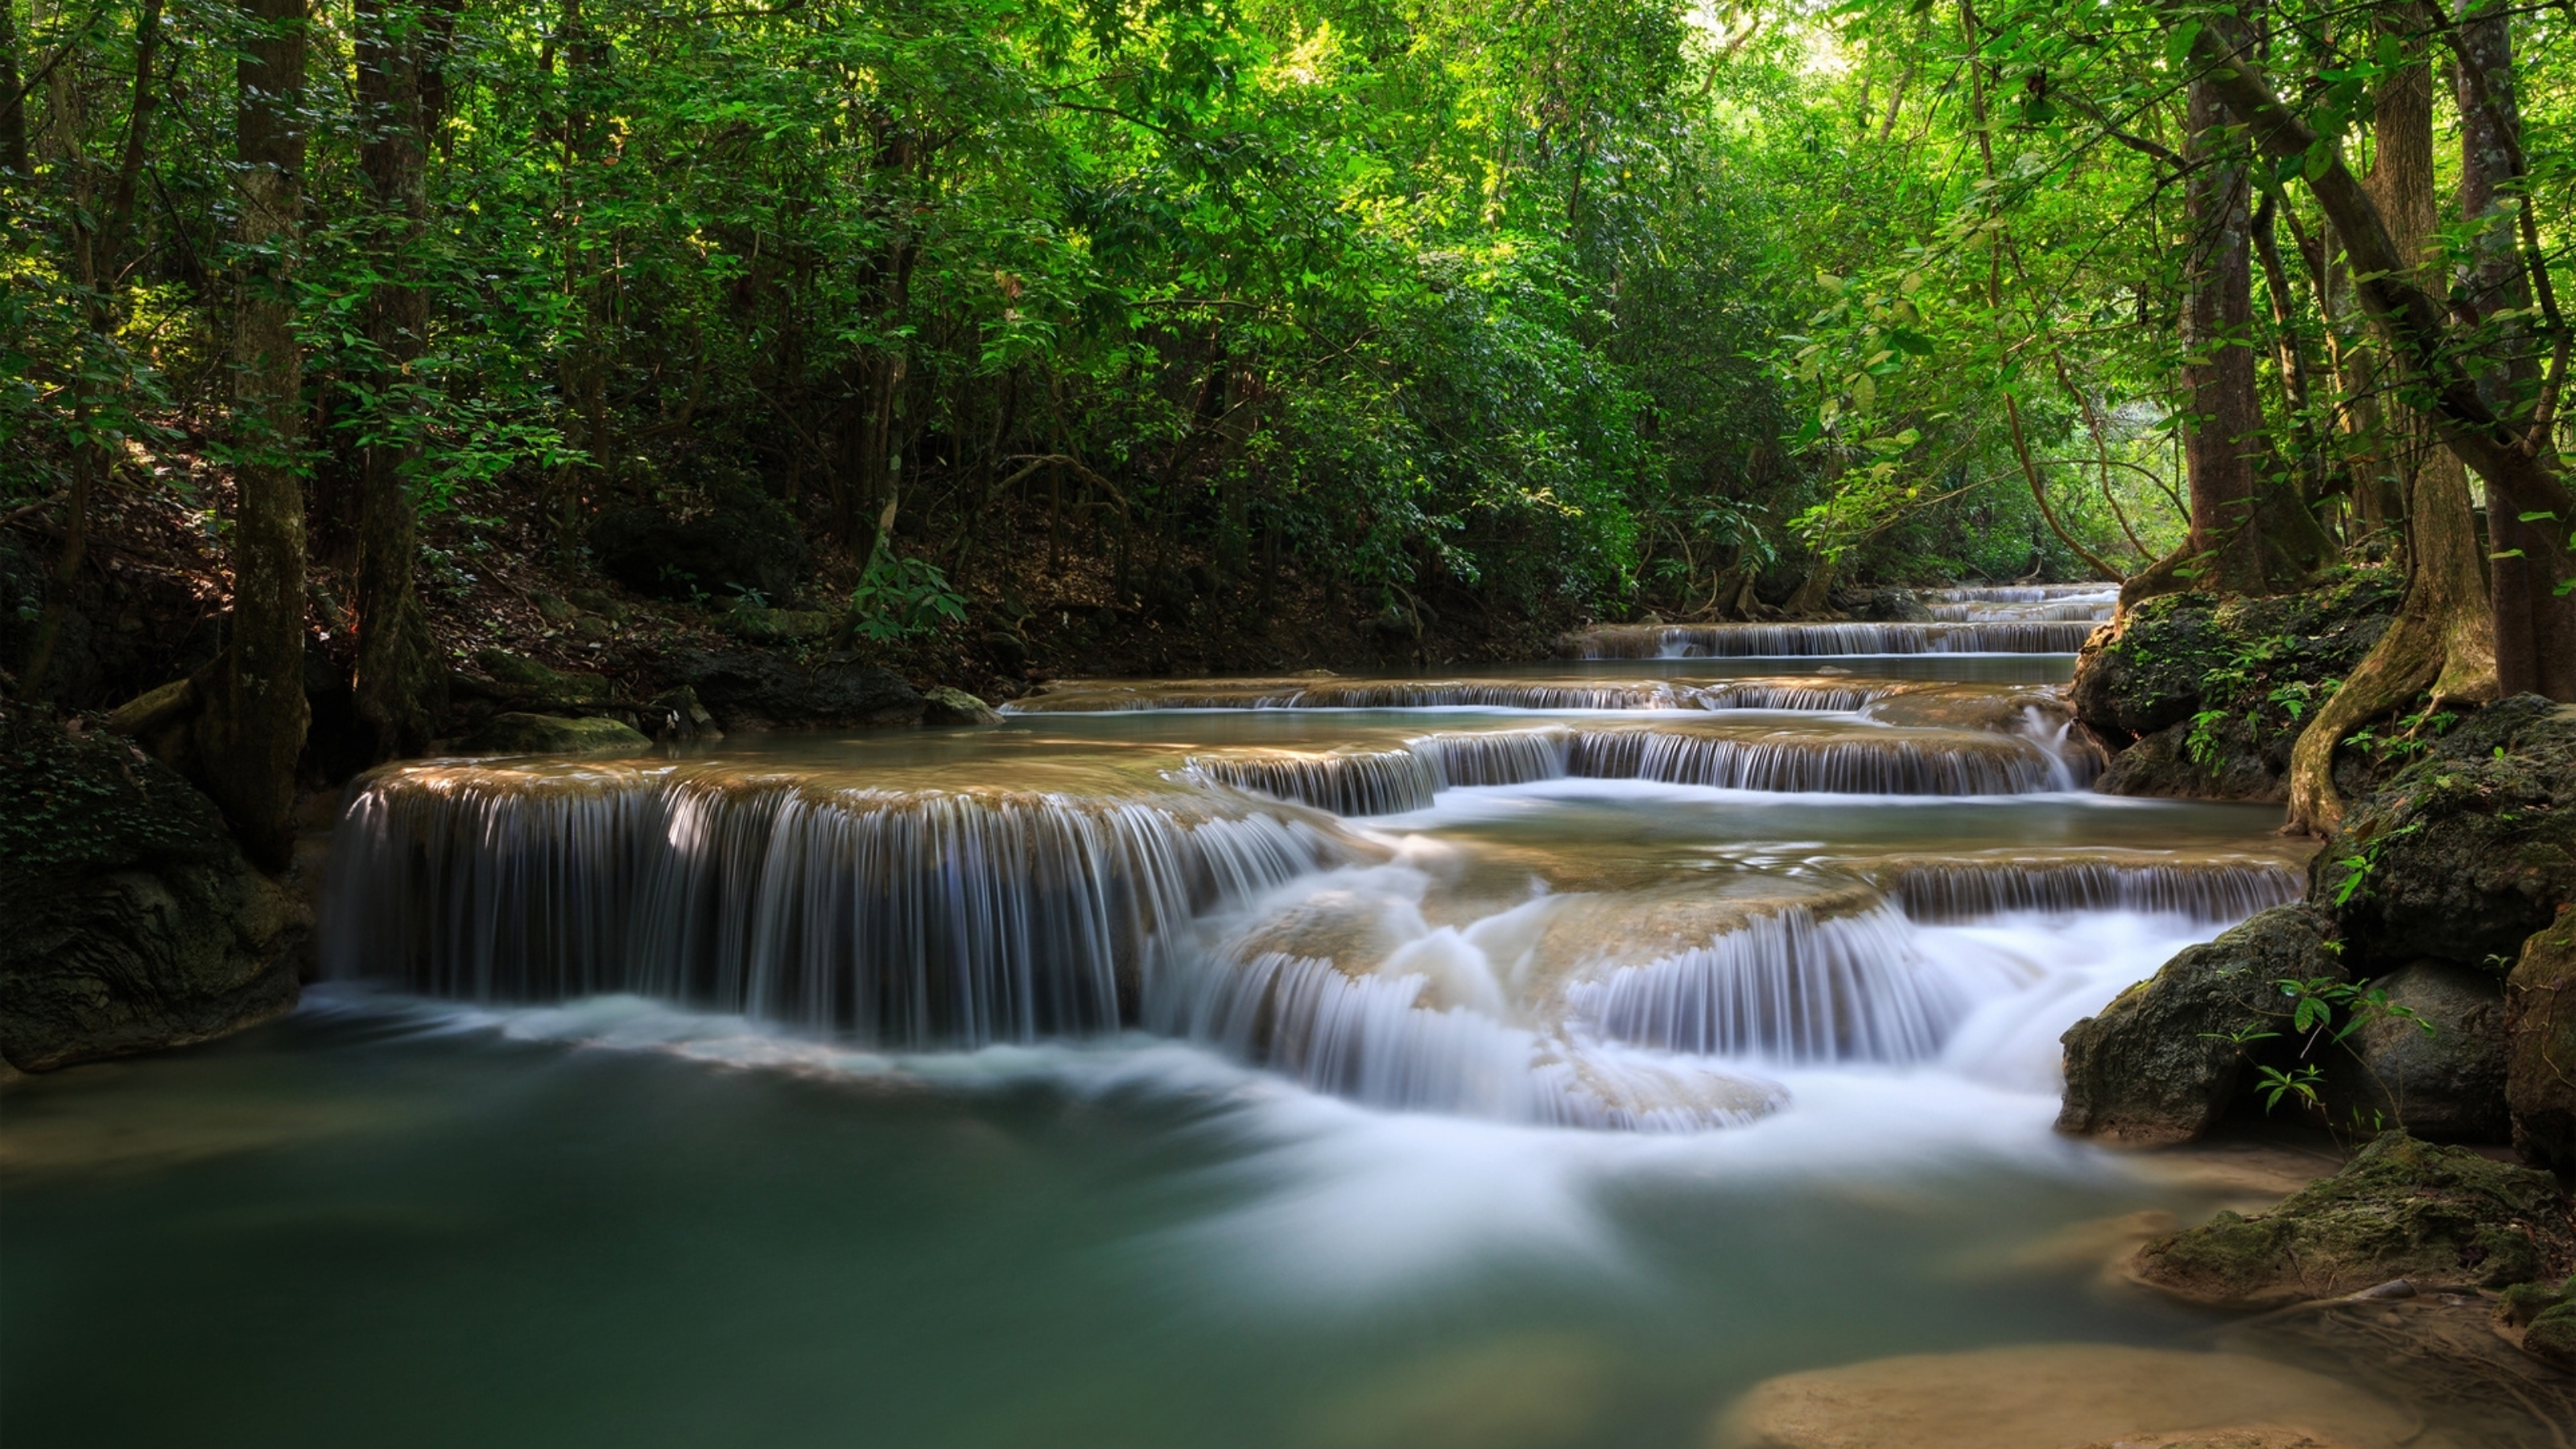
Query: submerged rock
[[129, 920], [2465, 853], [2540, 1044], [948, 705], [2060, 1396], [2438, 1072], [2165, 1060], [549, 734], [746, 688], [2435, 1216]]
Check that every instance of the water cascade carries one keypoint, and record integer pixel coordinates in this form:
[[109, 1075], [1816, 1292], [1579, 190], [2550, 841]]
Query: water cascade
[[1747, 641], [903, 919], [1166, 857]]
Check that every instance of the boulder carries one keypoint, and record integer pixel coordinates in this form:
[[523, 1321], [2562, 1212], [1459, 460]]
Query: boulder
[[2542, 1318], [2540, 1045], [2443, 1084], [743, 540], [2464, 853], [760, 625], [676, 714], [749, 689], [596, 602], [945, 705], [2171, 1055], [129, 920], [2435, 1216], [551, 734], [1883, 606], [2258, 666], [526, 681]]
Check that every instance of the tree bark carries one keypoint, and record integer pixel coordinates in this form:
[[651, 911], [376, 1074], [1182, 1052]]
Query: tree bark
[[2535, 626], [2223, 427], [400, 687], [253, 725]]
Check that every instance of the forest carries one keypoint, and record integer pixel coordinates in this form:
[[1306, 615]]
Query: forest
[[1320, 320]]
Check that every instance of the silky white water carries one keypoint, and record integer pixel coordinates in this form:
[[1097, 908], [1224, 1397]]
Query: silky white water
[[1179, 1064]]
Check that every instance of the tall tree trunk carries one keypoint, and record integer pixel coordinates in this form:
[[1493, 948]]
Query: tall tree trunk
[[2222, 430], [401, 688], [2535, 625], [255, 714], [2446, 586]]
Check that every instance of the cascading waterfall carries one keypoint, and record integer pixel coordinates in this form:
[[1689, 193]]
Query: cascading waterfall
[[2024, 593], [903, 919], [2084, 609], [2203, 890], [1392, 781], [1732, 641], [1787, 987], [1794, 695]]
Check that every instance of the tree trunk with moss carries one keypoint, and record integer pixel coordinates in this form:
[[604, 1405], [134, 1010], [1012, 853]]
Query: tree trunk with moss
[[2443, 638], [255, 713]]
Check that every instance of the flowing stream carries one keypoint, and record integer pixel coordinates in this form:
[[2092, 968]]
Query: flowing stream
[[1531, 1057]]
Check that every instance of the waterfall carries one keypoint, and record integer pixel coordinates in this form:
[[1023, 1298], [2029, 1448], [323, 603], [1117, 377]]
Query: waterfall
[[1786, 987], [1345, 781], [899, 918], [1729, 641], [2214, 891], [2085, 609], [1632, 694], [1954, 764]]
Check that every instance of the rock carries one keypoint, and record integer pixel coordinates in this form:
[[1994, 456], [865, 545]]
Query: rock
[[746, 620], [677, 715], [2162, 1063], [2540, 1045], [944, 705], [554, 610], [1008, 651], [129, 920], [2435, 1216], [2232, 764], [527, 680], [1883, 606], [593, 629], [550, 734], [745, 540], [2463, 854], [2259, 666], [746, 688], [2442, 1085], [598, 603], [2550, 1332], [2060, 1396]]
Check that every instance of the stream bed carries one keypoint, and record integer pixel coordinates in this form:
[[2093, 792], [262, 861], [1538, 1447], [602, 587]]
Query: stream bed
[[1532, 1057]]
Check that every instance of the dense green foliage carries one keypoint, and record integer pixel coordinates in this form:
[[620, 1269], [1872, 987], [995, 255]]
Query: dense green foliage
[[1573, 305]]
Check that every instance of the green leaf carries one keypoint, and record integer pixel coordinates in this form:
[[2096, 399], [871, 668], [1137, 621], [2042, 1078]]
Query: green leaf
[[2178, 42]]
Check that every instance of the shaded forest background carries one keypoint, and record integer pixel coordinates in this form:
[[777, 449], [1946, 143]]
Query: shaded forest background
[[985, 337]]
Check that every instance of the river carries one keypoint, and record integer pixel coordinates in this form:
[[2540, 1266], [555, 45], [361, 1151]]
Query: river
[[1527, 1057]]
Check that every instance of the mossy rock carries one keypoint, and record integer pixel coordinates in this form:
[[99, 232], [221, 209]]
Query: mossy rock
[[129, 920], [2540, 1044], [546, 734], [2259, 665], [2465, 853], [2402, 1208], [534, 682], [946, 705], [2438, 1071], [2173, 1054], [777, 626]]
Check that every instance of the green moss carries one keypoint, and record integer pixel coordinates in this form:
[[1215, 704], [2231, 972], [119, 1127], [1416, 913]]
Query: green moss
[[2400, 1209], [78, 803]]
